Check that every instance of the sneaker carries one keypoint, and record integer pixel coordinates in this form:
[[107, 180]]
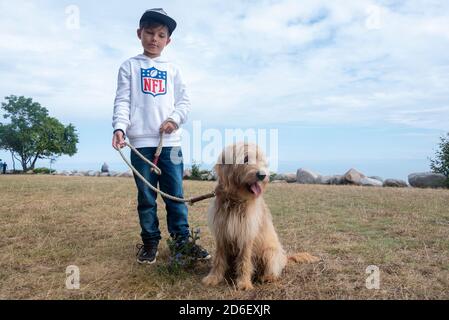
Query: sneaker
[[199, 253], [146, 253], [191, 249]]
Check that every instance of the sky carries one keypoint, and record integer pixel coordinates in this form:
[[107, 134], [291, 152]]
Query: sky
[[333, 85]]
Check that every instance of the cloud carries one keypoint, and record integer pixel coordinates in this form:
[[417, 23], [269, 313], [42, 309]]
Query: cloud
[[247, 63]]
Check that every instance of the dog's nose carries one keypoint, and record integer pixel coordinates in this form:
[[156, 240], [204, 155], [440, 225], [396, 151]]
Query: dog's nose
[[261, 175]]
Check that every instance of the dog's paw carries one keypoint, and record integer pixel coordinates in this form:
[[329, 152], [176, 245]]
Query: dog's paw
[[303, 257], [211, 280], [244, 285], [268, 278]]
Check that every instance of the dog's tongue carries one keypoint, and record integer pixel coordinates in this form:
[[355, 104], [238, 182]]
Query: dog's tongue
[[255, 188]]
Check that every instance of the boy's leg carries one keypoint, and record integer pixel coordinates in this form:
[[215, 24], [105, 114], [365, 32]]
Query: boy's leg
[[170, 182], [172, 167], [147, 206]]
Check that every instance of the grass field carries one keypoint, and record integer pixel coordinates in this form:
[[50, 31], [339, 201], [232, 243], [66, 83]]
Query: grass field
[[48, 223]]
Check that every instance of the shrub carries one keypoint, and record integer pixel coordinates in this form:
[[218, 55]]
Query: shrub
[[43, 171], [196, 172], [441, 162], [180, 260]]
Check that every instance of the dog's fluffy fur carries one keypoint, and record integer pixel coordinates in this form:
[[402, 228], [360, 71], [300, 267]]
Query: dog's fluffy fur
[[246, 242]]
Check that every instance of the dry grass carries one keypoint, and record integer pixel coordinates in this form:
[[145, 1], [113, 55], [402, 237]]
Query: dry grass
[[48, 223]]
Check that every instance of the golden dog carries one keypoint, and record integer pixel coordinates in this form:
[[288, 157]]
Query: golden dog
[[241, 223]]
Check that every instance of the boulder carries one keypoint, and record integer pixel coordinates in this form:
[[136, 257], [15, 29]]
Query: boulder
[[91, 173], [207, 176], [323, 179], [330, 180], [104, 174], [291, 178], [305, 176], [368, 182], [395, 183], [127, 174], [114, 173], [287, 177], [278, 181], [280, 177], [377, 178], [336, 180], [427, 180], [353, 177]]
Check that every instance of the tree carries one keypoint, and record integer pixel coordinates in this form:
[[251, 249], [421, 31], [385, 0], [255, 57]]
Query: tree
[[441, 162], [32, 134]]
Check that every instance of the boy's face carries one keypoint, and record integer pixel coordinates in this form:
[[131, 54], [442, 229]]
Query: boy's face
[[154, 40]]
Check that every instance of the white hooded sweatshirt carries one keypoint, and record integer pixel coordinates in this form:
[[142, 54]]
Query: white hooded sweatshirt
[[150, 91]]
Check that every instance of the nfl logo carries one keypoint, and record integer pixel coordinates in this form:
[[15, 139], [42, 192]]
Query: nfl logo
[[154, 81]]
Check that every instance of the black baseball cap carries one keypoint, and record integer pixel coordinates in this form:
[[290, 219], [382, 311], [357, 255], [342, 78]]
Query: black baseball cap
[[159, 15]]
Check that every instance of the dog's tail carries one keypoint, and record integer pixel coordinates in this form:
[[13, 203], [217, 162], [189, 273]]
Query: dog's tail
[[302, 257]]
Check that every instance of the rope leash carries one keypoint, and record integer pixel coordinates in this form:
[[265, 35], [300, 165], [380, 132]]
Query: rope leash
[[156, 170]]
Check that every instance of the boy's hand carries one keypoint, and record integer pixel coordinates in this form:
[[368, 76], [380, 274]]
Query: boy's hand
[[168, 127], [118, 140]]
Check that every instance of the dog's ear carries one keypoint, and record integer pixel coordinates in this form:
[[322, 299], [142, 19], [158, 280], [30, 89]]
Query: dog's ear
[[224, 157], [222, 176], [217, 169], [253, 155]]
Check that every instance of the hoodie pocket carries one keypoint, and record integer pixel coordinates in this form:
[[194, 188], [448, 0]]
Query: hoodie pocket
[[145, 121]]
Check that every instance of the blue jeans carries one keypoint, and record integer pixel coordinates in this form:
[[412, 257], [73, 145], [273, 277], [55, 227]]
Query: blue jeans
[[170, 182]]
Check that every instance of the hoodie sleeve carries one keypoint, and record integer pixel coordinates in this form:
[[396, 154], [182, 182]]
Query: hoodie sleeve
[[182, 100], [122, 102]]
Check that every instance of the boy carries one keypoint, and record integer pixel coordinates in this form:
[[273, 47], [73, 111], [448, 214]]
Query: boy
[[152, 100]]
